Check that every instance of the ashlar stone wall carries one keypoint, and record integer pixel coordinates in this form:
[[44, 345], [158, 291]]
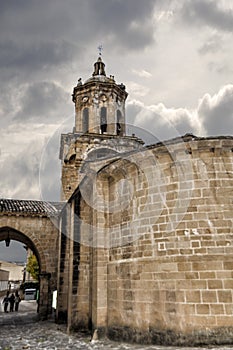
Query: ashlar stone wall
[[75, 261], [172, 283], [159, 230]]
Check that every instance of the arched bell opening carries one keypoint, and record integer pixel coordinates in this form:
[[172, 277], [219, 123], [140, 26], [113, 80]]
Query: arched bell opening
[[119, 124], [103, 120]]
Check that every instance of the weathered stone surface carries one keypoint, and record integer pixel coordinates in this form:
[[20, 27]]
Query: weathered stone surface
[[34, 223], [168, 262]]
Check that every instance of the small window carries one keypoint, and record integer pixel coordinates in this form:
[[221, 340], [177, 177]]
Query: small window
[[85, 120], [103, 119]]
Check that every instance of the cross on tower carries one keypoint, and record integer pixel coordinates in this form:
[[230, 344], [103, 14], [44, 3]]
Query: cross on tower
[[100, 48]]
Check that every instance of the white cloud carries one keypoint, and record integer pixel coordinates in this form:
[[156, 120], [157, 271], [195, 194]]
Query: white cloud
[[164, 123], [212, 116], [142, 73], [163, 15], [19, 172], [21, 151], [216, 112], [211, 45], [137, 89]]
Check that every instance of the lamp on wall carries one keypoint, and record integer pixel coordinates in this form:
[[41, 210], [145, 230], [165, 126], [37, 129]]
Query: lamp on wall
[[7, 240]]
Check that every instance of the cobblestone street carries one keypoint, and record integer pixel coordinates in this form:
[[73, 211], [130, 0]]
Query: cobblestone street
[[49, 336], [20, 331]]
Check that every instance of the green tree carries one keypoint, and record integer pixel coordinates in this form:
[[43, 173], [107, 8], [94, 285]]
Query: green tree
[[33, 267]]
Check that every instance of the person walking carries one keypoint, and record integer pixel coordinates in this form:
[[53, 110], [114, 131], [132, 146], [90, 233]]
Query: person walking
[[12, 302], [17, 300], [6, 301]]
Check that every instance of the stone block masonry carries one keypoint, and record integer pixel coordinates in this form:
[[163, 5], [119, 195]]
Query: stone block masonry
[[165, 275]]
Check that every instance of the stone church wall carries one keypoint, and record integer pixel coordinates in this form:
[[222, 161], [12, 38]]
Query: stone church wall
[[75, 261], [154, 245], [173, 283]]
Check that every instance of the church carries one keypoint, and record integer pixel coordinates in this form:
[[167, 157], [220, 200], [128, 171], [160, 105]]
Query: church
[[142, 249]]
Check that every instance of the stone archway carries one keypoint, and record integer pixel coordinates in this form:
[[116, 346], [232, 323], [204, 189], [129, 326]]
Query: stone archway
[[44, 304], [37, 229]]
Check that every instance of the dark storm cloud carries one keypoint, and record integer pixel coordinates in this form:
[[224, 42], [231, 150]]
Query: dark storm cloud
[[124, 22], [42, 101], [128, 21], [41, 41], [207, 12], [35, 55]]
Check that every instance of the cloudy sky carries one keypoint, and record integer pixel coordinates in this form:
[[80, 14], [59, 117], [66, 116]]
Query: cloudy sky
[[15, 253], [174, 56]]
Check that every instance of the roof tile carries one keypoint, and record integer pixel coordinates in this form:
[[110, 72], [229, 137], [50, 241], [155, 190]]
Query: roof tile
[[27, 207]]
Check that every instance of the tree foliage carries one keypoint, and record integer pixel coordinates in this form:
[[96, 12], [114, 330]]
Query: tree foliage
[[33, 267]]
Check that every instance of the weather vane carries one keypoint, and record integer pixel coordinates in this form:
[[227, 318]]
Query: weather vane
[[100, 48]]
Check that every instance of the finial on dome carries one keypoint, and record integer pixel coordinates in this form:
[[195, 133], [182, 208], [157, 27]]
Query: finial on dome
[[99, 65]]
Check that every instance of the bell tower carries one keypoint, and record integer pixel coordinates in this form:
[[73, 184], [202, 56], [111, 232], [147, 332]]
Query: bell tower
[[100, 104], [99, 133]]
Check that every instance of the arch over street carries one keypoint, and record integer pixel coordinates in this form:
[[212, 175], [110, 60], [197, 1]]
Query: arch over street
[[34, 223]]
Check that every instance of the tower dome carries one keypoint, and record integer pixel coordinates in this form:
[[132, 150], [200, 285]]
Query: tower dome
[[100, 103]]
